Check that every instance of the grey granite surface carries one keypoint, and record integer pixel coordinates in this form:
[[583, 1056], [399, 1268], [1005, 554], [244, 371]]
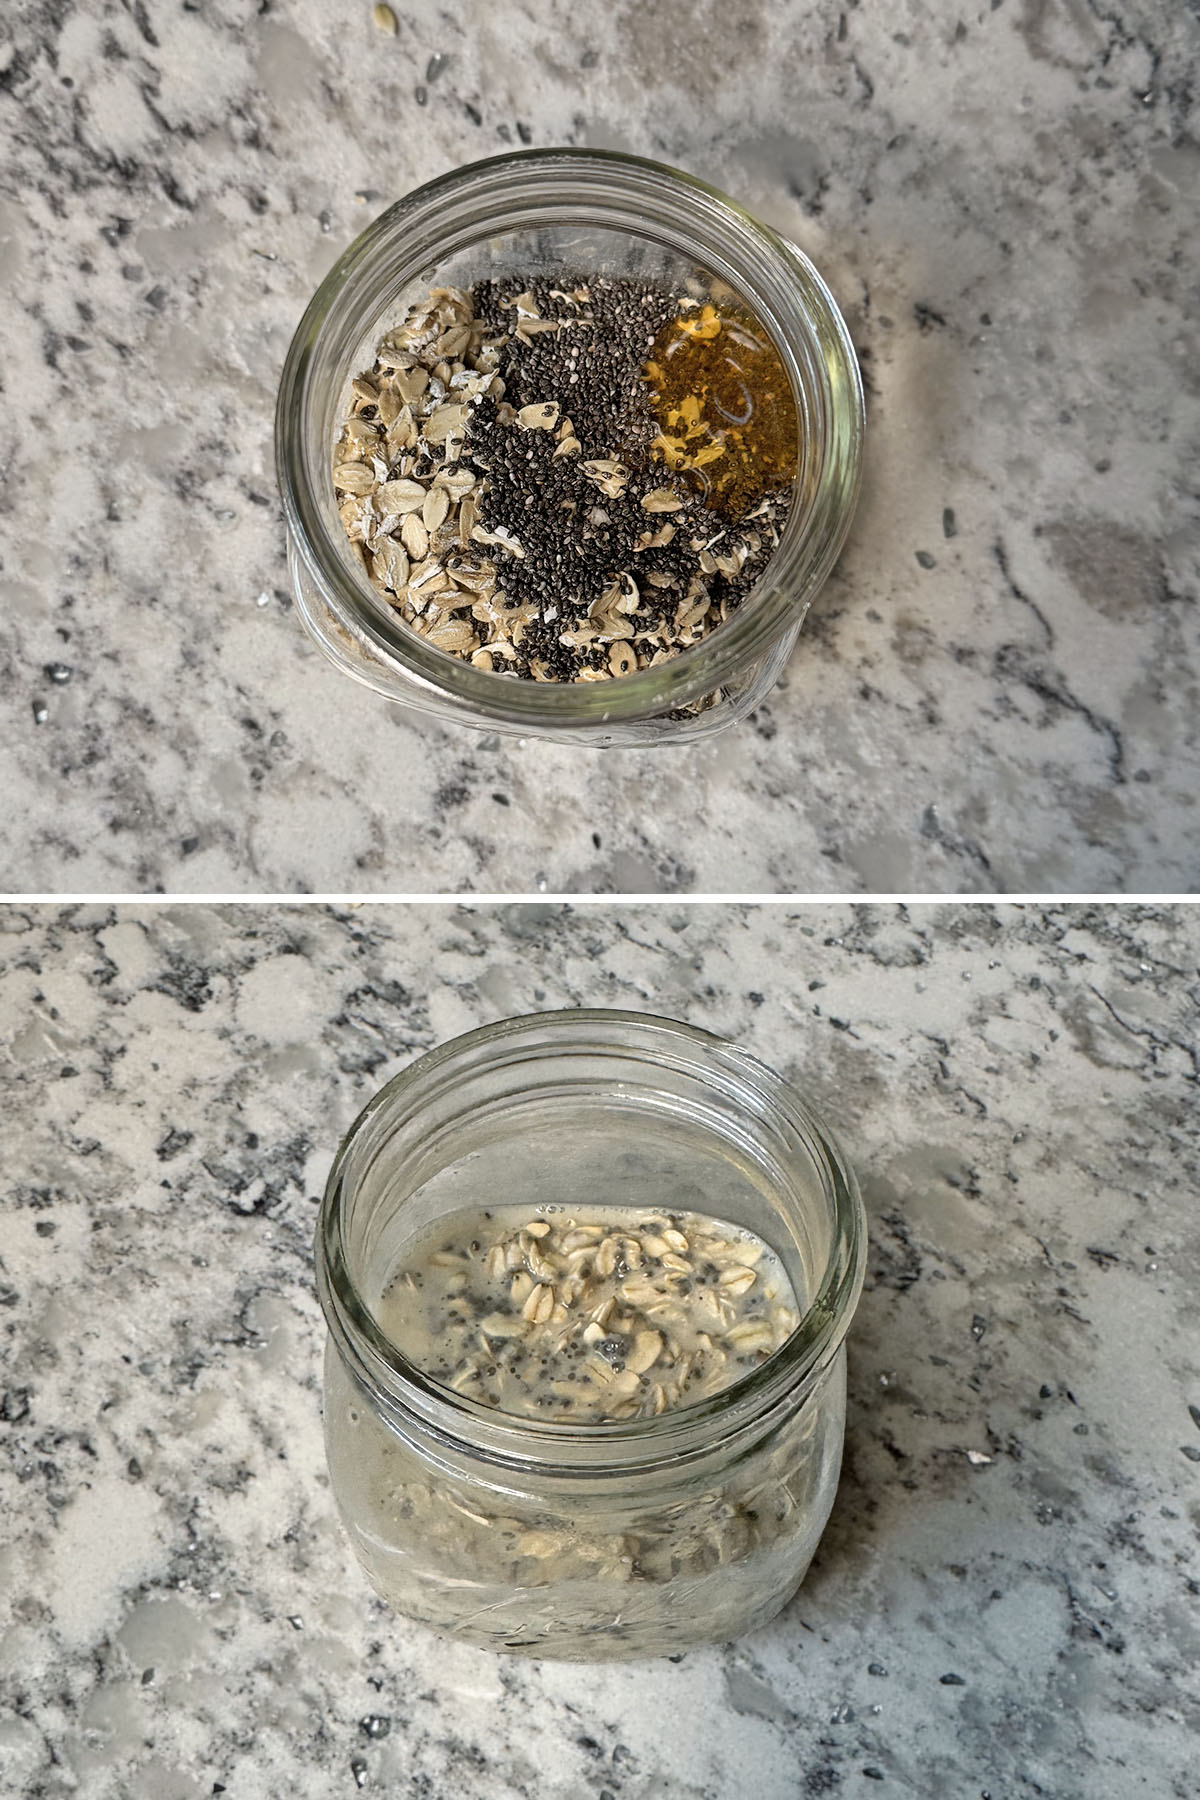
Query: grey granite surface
[[1005, 1602], [996, 692]]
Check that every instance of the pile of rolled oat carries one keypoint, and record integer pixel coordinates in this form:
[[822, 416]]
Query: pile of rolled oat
[[608, 1315]]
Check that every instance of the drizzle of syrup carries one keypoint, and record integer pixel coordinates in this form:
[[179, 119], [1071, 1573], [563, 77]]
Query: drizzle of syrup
[[727, 418]]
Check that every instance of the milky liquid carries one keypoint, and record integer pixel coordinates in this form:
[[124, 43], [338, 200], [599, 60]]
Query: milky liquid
[[588, 1314]]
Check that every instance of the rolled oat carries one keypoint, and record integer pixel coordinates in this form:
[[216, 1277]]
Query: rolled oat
[[586, 1316]]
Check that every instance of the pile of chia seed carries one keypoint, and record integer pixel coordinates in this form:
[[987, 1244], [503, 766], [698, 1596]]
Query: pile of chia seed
[[577, 540]]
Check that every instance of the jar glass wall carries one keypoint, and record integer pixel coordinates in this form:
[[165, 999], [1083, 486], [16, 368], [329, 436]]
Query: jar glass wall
[[602, 1540], [545, 212]]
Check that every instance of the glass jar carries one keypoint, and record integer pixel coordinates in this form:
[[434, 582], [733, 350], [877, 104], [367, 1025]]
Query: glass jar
[[611, 1540], [543, 212]]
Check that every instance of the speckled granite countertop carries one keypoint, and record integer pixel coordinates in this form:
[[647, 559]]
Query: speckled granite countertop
[[182, 1616], [998, 690]]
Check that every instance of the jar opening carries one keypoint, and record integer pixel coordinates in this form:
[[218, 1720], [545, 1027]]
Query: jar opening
[[566, 196], [560, 1106]]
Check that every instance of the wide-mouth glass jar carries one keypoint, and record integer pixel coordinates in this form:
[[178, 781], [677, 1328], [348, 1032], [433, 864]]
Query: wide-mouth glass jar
[[545, 212], [614, 1539]]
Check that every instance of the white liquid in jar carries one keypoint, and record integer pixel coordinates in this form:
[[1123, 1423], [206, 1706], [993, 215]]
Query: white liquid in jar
[[590, 1314]]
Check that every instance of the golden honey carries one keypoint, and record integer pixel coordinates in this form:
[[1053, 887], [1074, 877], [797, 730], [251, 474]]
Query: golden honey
[[727, 418]]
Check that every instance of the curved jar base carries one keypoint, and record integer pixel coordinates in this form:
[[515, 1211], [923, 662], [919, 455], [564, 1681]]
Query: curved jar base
[[514, 1624], [695, 1567], [738, 698]]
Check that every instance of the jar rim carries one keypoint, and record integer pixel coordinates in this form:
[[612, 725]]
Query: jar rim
[[749, 1403], [518, 190]]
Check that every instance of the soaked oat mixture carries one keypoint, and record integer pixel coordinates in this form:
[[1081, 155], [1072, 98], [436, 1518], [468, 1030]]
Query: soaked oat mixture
[[585, 1316]]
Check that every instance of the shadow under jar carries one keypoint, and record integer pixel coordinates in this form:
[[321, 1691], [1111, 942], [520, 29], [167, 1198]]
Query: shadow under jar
[[610, 1539], [553, 214]]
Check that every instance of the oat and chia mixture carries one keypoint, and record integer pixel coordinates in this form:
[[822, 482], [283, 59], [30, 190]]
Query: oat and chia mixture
[[568, 481], [603, 1314]]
